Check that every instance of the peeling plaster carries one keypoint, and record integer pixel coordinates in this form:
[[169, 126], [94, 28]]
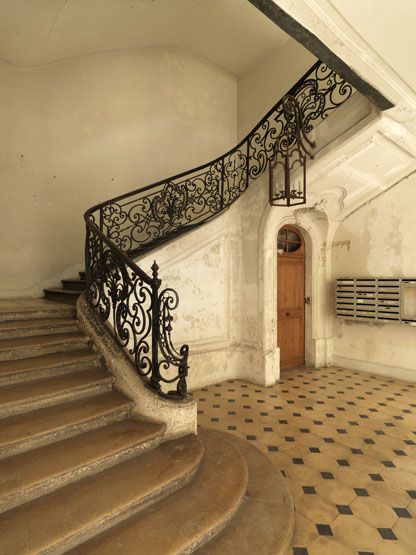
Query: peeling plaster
[[382, 235], [342, 244]]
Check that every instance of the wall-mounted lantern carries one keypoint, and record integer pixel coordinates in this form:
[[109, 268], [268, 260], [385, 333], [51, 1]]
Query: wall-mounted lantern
[[289, 154]]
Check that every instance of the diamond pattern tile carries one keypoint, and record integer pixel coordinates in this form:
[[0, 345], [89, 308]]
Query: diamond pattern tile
[[345, 442]]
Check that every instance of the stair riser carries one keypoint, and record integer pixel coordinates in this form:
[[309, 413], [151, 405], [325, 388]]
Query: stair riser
[[65, 432], [69, 312], [56, 482], [57, 370], [110, 520], [73, 286], [72, 394], [39, 350], [39, 330]]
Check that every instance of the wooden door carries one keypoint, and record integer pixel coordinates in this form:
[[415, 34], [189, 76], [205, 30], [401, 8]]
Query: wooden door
[[291, 297]]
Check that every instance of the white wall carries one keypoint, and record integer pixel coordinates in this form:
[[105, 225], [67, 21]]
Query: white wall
[[79, 132], [260, 88], [378, 240]]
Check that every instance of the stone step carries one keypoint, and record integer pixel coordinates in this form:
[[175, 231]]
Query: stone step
[[28, 328], [264, 522], [53, 364], [188, 518], [63, 519], [44, 426], [74, 284], [68, 296], [28, 396], [29, 309], [11, 349], [29, 475]]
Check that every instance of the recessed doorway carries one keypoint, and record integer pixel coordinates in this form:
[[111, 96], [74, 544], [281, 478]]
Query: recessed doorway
[[291, 297]]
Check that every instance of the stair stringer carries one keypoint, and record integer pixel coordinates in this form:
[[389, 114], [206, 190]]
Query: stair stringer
[[179, 417]]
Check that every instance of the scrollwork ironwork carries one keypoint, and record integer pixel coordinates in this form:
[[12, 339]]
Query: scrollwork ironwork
[[118, 230]]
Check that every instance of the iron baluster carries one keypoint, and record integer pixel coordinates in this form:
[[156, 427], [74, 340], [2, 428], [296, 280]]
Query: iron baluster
[[155, 377], [222, 184]]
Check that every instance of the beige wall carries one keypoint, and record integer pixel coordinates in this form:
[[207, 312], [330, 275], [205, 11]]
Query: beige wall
[[79, 132], [378, 240], [260, 88]]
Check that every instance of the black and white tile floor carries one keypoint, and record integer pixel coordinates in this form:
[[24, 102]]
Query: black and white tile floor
[[345, 441]]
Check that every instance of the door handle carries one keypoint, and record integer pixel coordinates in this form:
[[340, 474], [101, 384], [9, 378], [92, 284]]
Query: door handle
[[307, 300]]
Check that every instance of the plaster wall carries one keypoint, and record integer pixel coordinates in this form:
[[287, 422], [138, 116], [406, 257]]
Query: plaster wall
[[79, 132], [261, 87], [378, 240]]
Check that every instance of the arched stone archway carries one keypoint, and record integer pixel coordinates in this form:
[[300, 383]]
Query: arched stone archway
[[313, 225]]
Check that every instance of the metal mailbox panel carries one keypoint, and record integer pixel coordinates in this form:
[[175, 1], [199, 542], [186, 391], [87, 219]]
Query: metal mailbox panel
[[373, 299]]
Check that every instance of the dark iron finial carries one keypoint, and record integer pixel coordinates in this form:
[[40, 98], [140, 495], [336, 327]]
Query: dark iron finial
[[155, 269]]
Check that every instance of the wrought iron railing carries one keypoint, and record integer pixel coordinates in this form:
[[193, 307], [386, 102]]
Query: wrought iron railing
[[125, 227]]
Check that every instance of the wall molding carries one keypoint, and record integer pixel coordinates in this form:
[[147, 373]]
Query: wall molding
[[375, 368]]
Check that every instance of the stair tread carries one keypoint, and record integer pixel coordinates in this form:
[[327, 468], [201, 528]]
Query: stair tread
[[51, 420], [26, 473], [45, 387], [60, 517], [74, 280], [185, 519], [8, 306], [51, 309], [267, 508], [36, 323], [41, 340], [46, 361]]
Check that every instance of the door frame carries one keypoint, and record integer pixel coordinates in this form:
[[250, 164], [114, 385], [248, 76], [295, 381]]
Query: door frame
[[314, 226]]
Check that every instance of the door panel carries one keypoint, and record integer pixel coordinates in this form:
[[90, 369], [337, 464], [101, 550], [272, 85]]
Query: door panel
[[290, 282], [291, 308]]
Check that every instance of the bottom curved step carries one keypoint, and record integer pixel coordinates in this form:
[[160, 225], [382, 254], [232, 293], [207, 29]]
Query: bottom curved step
[[264, 522], [61, 520], [237, 503], [189, 517]]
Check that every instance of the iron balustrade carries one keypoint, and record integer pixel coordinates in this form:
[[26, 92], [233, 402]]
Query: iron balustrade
[[124, 228]]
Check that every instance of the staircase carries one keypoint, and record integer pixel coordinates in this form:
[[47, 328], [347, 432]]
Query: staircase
[[69, 292], [78, 474]]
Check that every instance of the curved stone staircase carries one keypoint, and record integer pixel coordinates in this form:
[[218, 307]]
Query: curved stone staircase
[[78, 474]]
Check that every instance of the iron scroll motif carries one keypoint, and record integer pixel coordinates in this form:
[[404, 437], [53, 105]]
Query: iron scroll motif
[[124, 228]]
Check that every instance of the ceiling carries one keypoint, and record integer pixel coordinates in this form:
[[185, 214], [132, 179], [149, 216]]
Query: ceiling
[[232, 34], [389, 27]]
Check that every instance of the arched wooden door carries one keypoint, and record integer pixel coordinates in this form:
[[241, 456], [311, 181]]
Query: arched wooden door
[[291, 297]]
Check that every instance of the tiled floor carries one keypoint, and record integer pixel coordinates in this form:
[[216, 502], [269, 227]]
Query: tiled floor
[[346, 442]]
